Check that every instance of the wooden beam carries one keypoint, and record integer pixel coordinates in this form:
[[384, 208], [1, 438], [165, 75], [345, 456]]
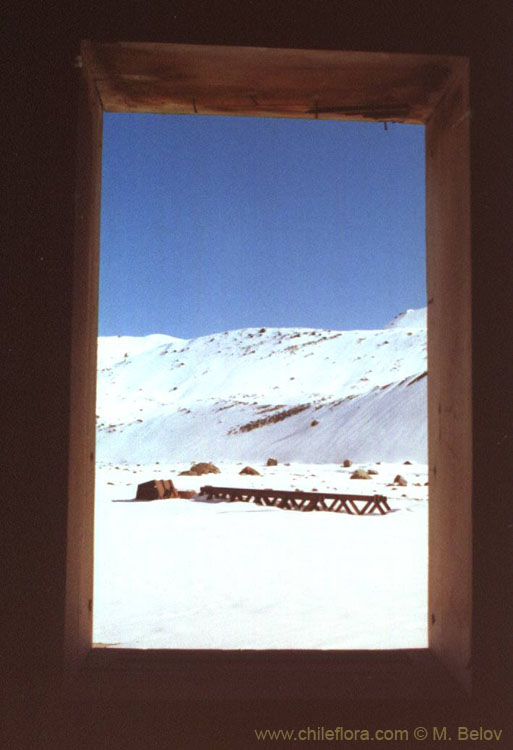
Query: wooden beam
[[262, 82], [450, 377], [79, 596]]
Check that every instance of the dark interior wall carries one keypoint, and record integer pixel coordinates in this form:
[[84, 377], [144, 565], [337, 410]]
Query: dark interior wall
[[40, 145]]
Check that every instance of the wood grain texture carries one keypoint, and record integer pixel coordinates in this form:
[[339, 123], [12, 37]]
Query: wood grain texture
[[83, 379], [263, 82], [450, 378]]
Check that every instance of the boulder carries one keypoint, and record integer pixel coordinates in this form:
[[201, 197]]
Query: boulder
[[197, 470], [314, 422], [156, 489], [371, 471], [249, 470], [187, 494], [272, 462], [401, 481], [360, 474], [347, 463]]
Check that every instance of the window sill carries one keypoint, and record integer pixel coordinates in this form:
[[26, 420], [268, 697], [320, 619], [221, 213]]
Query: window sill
[[400, 675]]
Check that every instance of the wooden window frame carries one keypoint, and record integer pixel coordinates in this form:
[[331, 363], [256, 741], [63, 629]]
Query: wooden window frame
[[428, 89]]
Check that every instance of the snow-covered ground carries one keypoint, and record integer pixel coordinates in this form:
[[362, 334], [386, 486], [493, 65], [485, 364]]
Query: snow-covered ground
[[195, 574], [192, 574]]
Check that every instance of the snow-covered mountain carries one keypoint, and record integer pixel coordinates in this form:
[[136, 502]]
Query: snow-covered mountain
[[410, 319], [297, 394]]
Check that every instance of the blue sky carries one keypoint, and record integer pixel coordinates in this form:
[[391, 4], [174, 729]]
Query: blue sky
[[217, 223]]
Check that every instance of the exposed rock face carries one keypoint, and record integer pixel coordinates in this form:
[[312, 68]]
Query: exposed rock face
[[156, 489], [400, 480], [347, 463], [197, 470], [360, 474], [187, 494], [249, 470], [272, 462]]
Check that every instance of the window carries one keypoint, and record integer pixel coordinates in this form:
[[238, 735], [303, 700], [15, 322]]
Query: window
[[271, 252], [431, 90]]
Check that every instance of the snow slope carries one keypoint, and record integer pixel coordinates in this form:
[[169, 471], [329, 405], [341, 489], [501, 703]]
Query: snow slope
[[253, 393], [410, 319]]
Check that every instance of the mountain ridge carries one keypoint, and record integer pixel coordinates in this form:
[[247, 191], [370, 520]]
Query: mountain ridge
[[299, 394]]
